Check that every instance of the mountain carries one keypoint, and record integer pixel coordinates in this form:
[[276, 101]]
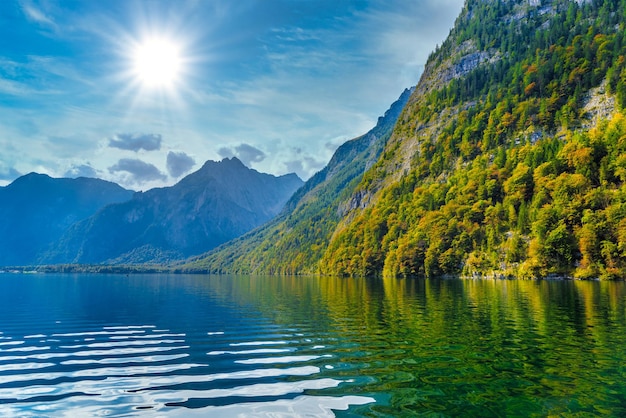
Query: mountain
[[217, 203], [35, 211], [508, 158], [310, 216]]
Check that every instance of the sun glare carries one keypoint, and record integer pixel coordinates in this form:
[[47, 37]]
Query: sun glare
[[157, 63]]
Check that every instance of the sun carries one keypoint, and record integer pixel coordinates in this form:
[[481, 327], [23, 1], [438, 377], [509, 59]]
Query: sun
[[157, 62]]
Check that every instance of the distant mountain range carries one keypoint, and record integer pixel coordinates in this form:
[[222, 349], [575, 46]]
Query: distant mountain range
[[88, 221], [36, 210]]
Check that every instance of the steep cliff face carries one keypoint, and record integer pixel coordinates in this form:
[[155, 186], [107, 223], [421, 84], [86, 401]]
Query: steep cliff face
[[219, 202], [294, 242], [500, 156]]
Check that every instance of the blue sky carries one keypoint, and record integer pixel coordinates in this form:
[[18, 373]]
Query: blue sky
[[278, 83]]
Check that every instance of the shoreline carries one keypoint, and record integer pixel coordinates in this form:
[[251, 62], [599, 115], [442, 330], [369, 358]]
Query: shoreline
[[160, 269]]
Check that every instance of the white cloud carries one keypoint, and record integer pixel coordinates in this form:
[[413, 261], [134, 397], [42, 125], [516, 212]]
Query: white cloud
[[302, 162], [408, 33], [14, 88]]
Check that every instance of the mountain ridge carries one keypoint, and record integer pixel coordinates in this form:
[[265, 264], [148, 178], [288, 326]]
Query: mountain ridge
[[497, 165], [216, 203], [36, 209]]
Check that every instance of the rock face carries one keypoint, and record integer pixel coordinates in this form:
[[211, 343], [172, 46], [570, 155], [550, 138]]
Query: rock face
[[219, 202], [35, 211], [598, 105]]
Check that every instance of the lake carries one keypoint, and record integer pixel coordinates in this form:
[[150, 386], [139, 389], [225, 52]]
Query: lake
[[181, 345]]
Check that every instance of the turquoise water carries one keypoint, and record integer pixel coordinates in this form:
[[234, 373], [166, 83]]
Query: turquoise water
[[106, 345]]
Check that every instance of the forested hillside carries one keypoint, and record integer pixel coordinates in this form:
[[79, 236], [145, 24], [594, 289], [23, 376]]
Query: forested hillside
[[509, 158], [295, 241]]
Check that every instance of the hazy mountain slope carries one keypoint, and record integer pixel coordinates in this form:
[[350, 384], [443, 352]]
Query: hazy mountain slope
[[35, 210], [220, 201], [294, 241], [509, 156]]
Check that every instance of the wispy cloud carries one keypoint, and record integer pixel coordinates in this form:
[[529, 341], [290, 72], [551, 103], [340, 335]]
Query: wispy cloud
[[408, 32], [332, 80], [61, 68], [278, 85], [35, 14], [40, 76], [15, 88], [294, 34]]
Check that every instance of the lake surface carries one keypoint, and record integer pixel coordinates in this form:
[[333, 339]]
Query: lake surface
[[173, 345]]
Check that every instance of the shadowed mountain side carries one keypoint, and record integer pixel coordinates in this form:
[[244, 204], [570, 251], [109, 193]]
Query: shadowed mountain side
[[35, 211], [220, 201], [293, 242]]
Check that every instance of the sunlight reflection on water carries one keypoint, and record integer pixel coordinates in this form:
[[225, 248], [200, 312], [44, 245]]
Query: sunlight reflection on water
[[138, 386], [63, 365]]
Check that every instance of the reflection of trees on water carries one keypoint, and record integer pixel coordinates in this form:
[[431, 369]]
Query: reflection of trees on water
[[469, 345], [379, 303]]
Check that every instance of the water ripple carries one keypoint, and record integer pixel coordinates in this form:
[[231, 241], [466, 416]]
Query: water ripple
[[283, 359], [139, 370], [248, 352], [247, 343], [127, 360]]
